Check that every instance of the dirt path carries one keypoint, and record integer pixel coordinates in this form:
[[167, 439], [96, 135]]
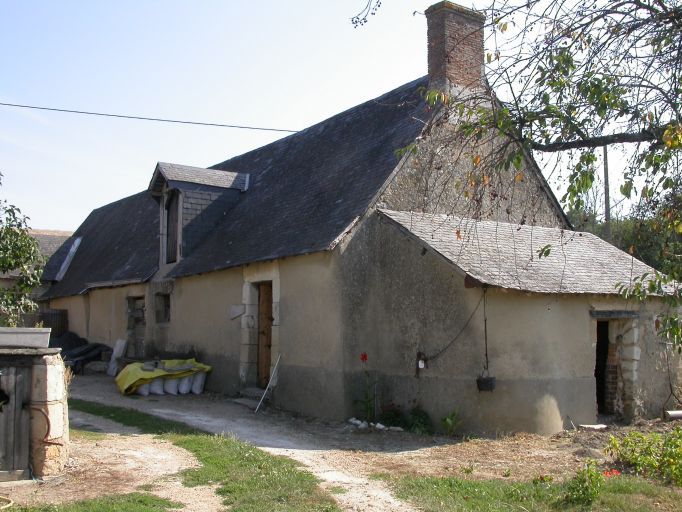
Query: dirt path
[[274, 432], [116, 460], [342, 456]]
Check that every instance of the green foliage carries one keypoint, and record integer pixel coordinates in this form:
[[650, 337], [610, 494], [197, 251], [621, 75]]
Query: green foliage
[[249, 479], [392, 416], [621, 494], [419, 421], [19, 254], [570, 78], [653, 455], [451, 423], [585, 486], [652, 233], [134, 502]]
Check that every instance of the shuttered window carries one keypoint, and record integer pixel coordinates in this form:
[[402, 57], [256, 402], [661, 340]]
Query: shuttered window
[[172, 228]]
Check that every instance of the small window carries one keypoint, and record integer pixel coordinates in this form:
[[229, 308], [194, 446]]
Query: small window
[[163, 309], [172, 206]]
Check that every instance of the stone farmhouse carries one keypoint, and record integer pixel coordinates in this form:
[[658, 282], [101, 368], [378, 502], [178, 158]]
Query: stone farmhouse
[[282, 265]]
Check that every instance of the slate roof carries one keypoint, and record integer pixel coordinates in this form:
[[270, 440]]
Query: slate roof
[[303, 192], [307, 188], [49, 242], [506, 255], [120, 242], [56, 259], [174, 173]]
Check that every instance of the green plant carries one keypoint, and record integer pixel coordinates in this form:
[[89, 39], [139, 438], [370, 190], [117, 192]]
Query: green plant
[[652, 455], [670, 462], [392, 416], [419, 421], [585, 486], [543, 480], [367, 401], [467, 470], [451, 423], [19, 255]]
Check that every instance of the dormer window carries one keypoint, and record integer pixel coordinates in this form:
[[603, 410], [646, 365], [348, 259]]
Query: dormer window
[[192, 200], [172, 216]]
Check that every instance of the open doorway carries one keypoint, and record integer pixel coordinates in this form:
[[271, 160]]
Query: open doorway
[[600, 368]]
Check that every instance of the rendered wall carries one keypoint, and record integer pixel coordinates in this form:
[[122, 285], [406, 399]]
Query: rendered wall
[[108, 320], [78, 312], [311, 375], [200, 324], [398, 299]]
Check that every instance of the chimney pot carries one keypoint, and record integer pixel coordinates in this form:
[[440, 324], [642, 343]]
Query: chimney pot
[[455, 46]]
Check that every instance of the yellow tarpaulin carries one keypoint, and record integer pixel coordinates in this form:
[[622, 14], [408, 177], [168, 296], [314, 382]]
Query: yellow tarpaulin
[[134, 375]]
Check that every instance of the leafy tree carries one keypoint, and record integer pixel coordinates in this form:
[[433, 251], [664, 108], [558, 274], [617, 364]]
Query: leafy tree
[[20, 255], [566, 78]]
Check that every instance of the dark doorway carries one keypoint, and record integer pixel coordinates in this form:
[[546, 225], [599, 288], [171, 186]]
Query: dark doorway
[[264, 332], [600, 366], [136, 327]]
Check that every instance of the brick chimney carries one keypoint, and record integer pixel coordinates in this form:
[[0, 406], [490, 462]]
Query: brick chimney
[[455, 40]]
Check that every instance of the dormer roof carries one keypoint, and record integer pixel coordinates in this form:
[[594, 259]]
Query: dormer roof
[[173, 174]]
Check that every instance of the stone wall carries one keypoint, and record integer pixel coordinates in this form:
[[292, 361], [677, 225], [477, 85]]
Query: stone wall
[[49, 432]]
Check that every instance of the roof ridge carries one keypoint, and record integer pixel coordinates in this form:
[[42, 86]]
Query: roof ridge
[[338, 115]]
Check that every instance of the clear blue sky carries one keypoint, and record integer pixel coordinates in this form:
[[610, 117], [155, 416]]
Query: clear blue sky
[[267, 63]]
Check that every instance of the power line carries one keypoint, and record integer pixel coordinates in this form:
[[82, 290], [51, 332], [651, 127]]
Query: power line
[[141, 118]]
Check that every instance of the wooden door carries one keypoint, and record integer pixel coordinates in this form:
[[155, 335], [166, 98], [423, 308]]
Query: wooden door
[[264, 332], [15, 389]]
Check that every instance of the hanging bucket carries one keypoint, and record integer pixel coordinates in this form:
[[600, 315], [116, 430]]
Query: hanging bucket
[[485, 383]]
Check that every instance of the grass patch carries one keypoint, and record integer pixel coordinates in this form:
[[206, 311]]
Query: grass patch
[[248, 479], [146, 487], [146, 423], [135, 502], [629, 494], [77, 434], [338, 490]]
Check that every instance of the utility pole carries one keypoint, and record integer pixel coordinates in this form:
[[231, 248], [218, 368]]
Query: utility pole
[[607, 202]]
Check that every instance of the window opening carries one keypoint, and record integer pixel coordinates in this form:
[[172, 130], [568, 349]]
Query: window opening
[[172, 228]]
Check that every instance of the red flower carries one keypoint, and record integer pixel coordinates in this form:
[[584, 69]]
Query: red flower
[[611, 472], [363, 357]]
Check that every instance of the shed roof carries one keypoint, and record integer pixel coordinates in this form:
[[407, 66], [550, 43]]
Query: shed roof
[[506, 255]]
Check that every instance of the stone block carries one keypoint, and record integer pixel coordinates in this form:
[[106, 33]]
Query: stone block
[[49, 460], [47, 383], [248, 322], [249, 294], [629, 366], [630, 352], [248, 353], [48, 420], [248, 373], [275, 313]]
